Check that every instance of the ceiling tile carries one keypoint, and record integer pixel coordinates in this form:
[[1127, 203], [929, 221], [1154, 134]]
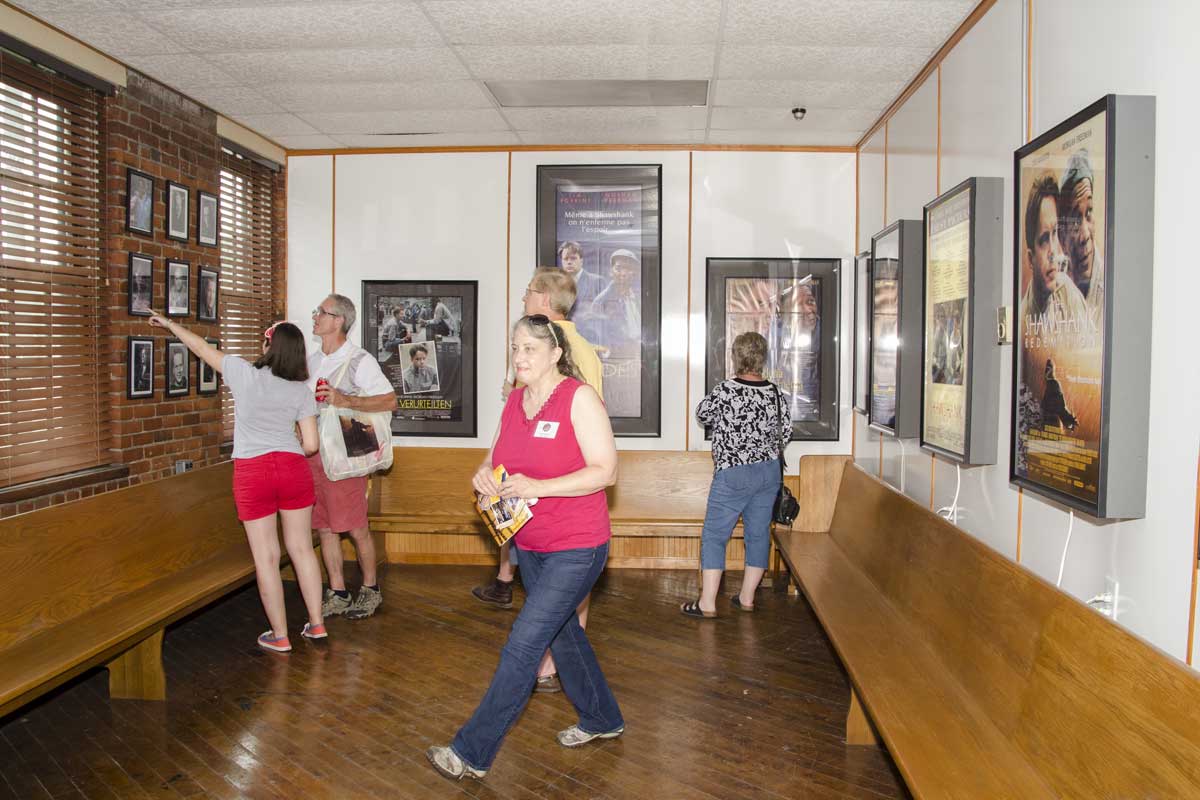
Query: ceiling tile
[[311, 25], [118, 35], [277, 124], [496, 138], [183, 71], [887, 23], [796, 139], [234, 101], [785, 94], [576, 21], [848, 64], [343, 65], [609, 120], [776, 118], [317, 142], [377, 96], [407, 121], [44, 8], [612, 137], [582, 62]]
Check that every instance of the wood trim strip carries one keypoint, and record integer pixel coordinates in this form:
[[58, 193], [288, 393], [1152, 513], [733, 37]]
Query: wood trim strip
[[857, 200], [333, 226], [687, 382], [853, 432], [1028, 71], [1195, 551], [932, 479], [886, 146], [880, 470], [576, 148], [1020, 508], [938, 161], [508, 267], [962, 30], [61, 483]]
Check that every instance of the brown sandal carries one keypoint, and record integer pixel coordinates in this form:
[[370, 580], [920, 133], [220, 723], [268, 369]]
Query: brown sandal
[[693, 609], [736, 602]]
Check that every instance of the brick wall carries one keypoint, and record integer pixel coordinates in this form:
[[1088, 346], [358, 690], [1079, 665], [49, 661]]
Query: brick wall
[[151, 128]]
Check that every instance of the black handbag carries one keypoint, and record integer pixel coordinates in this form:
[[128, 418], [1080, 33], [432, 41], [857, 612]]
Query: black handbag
[[786, 506]]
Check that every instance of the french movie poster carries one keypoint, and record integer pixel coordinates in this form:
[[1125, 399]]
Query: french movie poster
[[787, 313], [599, 242], [885, 333], [1060, 320], [423, 335], [947, 282]]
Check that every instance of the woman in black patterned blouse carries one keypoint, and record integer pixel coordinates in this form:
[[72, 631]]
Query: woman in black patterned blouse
[[749, 423]]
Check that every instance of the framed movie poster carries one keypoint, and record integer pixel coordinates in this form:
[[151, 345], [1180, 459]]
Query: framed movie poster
[[141, 284], [178, 379], [207, 217], [207, 288], [862, 333], [1083, 272], [139, 367], [793, 303], [178, 290], [961, 376], [423, 333], [208, 380], [894, 304], [177, 211], [139, 202], [602, 224]]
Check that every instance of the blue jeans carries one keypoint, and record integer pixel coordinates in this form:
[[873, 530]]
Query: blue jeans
[[747, 491], [555, 584]]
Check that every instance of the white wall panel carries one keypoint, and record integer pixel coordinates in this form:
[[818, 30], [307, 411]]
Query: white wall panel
[[430, 217], [772, 205], [309, 237], [870, 190]]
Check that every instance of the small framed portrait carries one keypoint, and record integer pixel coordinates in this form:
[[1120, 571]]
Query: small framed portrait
[[206, 294], [178, 379], [177, 211], [178, 277], [139, 202], [139, 363], [418, 364], [208, 215], [208, 380], [141, 284]]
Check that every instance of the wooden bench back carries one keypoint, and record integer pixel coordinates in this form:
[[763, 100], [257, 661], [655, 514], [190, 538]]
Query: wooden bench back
[[1098, 711], [63, 561], [651, 484]]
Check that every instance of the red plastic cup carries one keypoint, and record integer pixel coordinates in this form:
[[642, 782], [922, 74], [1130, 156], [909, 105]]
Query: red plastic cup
[[321, 384]]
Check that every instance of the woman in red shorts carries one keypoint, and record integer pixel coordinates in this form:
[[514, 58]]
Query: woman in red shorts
[[270, 473]]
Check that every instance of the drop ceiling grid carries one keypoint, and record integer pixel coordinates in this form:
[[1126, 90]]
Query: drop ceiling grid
[[319, 73]]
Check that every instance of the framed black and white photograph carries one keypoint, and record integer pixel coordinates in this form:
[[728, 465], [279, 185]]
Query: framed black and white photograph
[[862, 332], [139, 367], [208, 380], [178, 374], [177, 211], [423, 333], [141, 284], [207, 218], [794, 304], [139, 202], [602, 225], [207, 293], [178, 280]]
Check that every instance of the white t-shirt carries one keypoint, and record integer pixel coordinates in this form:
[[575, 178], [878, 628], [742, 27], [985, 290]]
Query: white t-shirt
[[265, 409], [365, 380]]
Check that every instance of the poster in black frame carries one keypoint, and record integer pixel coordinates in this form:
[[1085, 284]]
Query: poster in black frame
[[208, 380], [895, 314], [424, 335], [140, 286], [139, 202], [960, 378], [1083, 301], [603, 224], [795, 304], [139, 367], [861, 389]]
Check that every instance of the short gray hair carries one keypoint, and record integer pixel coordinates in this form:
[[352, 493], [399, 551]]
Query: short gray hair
[[344, 307], [749, 353]]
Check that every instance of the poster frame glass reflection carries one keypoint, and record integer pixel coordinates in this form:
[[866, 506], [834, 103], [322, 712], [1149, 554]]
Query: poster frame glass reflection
[[737, 281], [613, 212]]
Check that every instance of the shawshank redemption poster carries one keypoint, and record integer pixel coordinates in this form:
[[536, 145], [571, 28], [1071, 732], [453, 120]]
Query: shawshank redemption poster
[[1060, 321]]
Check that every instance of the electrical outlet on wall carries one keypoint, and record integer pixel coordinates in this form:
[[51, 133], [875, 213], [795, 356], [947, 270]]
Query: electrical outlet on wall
[[182, 466]]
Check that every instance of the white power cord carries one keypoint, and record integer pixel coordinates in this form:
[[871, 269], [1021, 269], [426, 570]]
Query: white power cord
[[950, 512], [1062, 564]]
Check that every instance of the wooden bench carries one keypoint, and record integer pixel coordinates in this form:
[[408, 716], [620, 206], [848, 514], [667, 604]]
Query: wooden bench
[[424, 508], [983, 680], [95, 582]]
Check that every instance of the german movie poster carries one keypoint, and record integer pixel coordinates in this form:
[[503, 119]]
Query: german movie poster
[[786, 311], [1059, 359], [947, 282], [885, 333], [599, 242]]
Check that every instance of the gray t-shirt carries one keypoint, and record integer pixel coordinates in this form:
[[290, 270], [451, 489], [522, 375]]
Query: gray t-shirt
[[266, 409]]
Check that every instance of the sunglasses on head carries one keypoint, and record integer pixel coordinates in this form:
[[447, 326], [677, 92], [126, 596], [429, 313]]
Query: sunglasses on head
[[542, 319]]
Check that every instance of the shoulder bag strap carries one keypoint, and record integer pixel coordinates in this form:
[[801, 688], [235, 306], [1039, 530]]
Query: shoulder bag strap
[[779, 428]]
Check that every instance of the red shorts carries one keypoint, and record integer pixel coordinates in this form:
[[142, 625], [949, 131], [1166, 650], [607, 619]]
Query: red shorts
[[341, 505], [271, 482]]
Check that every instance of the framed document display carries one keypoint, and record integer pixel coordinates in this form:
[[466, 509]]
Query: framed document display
[[862, 332], [895, 313], [1083, 252], [423, 333], [602, 225], [793, 303], [961, 377]]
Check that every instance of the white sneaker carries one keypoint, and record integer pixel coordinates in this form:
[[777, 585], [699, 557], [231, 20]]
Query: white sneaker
[[575, 736], [447, 762]]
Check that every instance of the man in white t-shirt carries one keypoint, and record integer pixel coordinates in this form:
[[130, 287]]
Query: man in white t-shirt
[[341, 506]]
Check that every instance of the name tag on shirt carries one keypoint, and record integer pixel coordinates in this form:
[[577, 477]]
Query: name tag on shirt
[[546, 430]]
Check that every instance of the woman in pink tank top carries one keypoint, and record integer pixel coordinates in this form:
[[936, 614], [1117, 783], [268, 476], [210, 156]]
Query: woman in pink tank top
[[556, 444]]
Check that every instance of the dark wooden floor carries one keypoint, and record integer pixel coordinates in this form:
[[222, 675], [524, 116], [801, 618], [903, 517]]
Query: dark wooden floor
[[748, 705]]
